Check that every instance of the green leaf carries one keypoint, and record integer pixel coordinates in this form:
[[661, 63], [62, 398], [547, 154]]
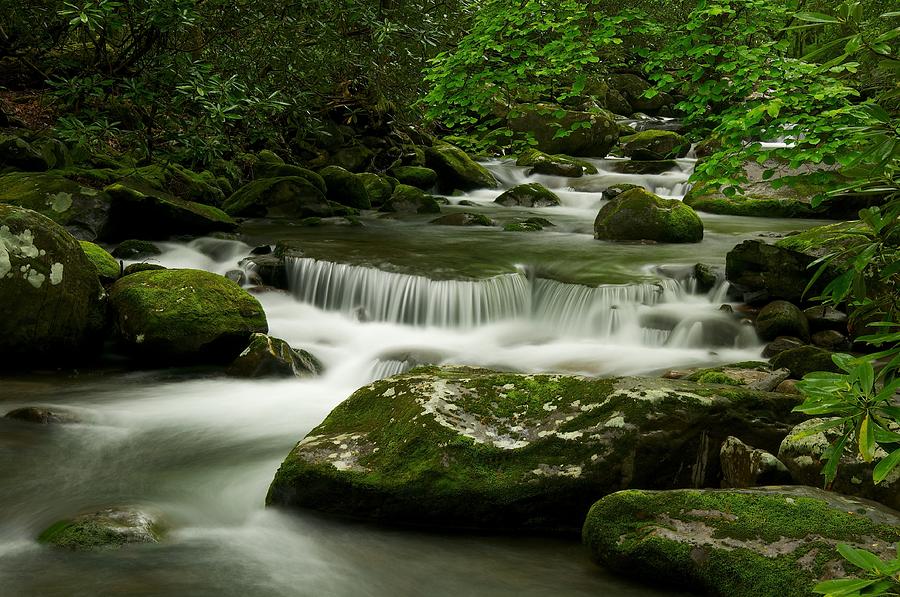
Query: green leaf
[[843, 586], [815, 17], [885, 466], [866, 439], [859, 557]]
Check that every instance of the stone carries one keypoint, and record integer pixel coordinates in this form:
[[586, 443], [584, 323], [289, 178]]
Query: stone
[[53, 303], [788, 386], [532, 194], [345, 188], [112, 528], [707, 276], [415, 176], [263, 169], [745, 466], [805, 359], [135, 249], [617, 189], [380, 188], [463, 218], [134, 268], [736, 542], [266, 356], [40, 416], [596, 132], [640, 215], [642, 166], [831, 340], [753, 375], [633, 88], [106, 266], [554, 165], [825, 317], [781, 318], [407, 199], [18, 154], [462, 447], [278, 197], [803, 452], [180, 316], [456, 170], [781, 344], [654, 145]]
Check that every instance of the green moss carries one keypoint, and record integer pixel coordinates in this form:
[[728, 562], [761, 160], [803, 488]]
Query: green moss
[[654, 145], [346, 188], [560, 165], [417, 176], [531, 194], [750, 206], [286, 196], [409, 199], [522, 227], [106, 265], [638, 214], [457, 170], [717, 377]]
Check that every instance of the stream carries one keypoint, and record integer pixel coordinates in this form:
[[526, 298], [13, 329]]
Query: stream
[[369, 302]]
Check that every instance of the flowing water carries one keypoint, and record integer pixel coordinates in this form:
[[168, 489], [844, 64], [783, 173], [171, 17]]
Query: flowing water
[[201, 449]]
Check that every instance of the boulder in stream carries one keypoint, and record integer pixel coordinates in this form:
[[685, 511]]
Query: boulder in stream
[[107, 267], [463, 218], [345, 188], [456, 170], [736, 542], [782, 318], [107, 529], [532, 194], [408, 199], [416, 176], [591, 134], [266, 356], [638, 214], [465, 447], [554, 165], [285, 196], [654, 145]]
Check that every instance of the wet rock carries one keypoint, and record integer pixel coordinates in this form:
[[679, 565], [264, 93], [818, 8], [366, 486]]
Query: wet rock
[[643, 166], [106, 266], [788, 386], [464, 447], [53, 303], [804, 456], [415, 176], [40, 416], [707, 277], [633, 89], [554, 165], [237, 276], [736, 542], [617, 189], [180, 316], [378, 187], [745, 466], [407, 199], [266, 356], [592, 134], [753, 375], [531, 194], [107, 529], [831, 340], [281, 197], [134, 268], [781, 318], [269, 268], [805, 359], [824, 317], [19, 154], [261, 250], [641, 215], [764, 272], [346, 188], [456, 170], [781, 344], [654, 145], [463, 218], [267, 169], [135, 249]]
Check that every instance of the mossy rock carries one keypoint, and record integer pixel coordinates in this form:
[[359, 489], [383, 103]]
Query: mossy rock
[[416, 176], [736, 543], [82, 210], [179, 316], [642, 166], [522, 227], [654, 145], [53, 303], [463, 218], [782, 318], [640, 215], [18, 154], [266, 356], [380, 188], [554, 165], [617, 189], [263, 169], [592, 134], [40, 416], [633, 88], [407, 199], [284, 197], [104, 530], [168, 181], [463, 447], [355, 158], [752, 375], [135, 249], [805, 359], [456, 170], [345, 187], [133, 268], [106, 266], [749, 206], [532, 194], [764, 272]]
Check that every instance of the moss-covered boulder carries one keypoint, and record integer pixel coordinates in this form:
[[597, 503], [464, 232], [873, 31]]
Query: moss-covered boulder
[[266, 356], [532, 194], [640, 215], [105, 265], [804, 454], [764, 272], [757, 207], [456, 170], [380, 188], [463, 218], [184, 316], [18, 154], [415, 176], [82, 210], [266, 169], [736, 543], [805, 359], [53, 303], [407, 199], [642, 166], [40, 416], [782, 318], [133, 268], [107, 529], [633, 89], [345, 187], [463, 447], [590, 134], [354, 158], [753, 375], [284, 197], [554, 165], [136, 214], [135, 249], [654, 145]]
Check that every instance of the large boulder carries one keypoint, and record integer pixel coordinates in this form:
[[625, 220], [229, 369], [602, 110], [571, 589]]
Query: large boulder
[[345, 187], [289, 196], [456, 170], [640, 215], [107, 529], [554, 165], [416, 176], [803, 452], [18, 154], [184, 316], [266, 356], [463, 447], [53, 303], [271, 169], [532, 194], [654, 145], [633, 89], [378, 187], [781, 318], [407, 199], [590, 134], [805, 359], [736, 543], [82, 210]]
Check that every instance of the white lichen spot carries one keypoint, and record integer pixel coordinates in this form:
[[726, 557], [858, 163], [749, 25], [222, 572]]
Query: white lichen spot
[[570, 435], [549, 407], [508, 386], [388, 393], [59, 202], [617, 420], [56, 273], [35, 278], [139, 339]]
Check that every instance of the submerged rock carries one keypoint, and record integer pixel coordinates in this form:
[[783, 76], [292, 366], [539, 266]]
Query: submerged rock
[[464, 447], [107, 529], [53, 303], [640, 215], [532, 194], [266, 356], [736, 543], [184, 316], [456, 170]]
